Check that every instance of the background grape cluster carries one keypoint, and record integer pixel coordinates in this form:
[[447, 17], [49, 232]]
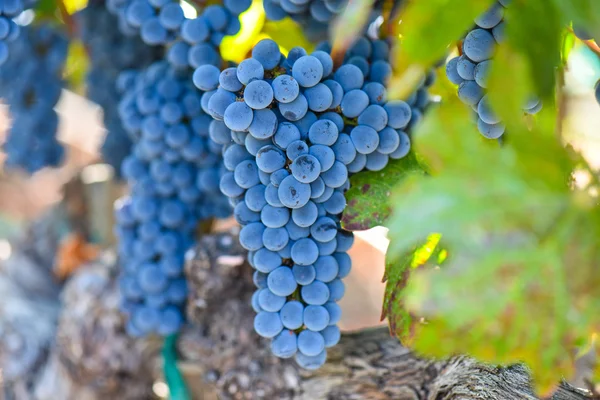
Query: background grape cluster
[[470, 70], [110, 53], [173, 172], [9, 30], [31, 83]]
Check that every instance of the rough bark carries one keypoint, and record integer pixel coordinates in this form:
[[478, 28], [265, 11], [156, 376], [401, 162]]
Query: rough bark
[[367, 365]]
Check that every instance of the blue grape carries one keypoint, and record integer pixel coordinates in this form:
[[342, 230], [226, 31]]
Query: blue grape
[[274, 217], [281, 281], [307, 71], [479, 45], [305, 168], [304, 274], [310, 343], [267, 324], [285, 345], [354, 102], [285, 89], [266, 261], [258, 95], [292, 314], [316, 293], [292, 193]]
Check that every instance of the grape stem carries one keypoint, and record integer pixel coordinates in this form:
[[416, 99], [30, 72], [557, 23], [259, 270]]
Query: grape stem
[[67, 18]]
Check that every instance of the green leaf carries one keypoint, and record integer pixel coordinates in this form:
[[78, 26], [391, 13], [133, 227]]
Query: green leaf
[[534, 29], [397, 272], [76, 66], [522, 282], [429, 26], [369, 194]]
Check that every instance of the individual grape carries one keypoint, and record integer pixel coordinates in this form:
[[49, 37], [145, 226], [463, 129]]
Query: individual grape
[[281, 281], [266, 261], [238, 116], [335, 312], [296, 149], [466, 68], [319, 97], [490, 131], [250, 70], [331, 335], [311, 362], [296, 232], [491, 17], [354, 103], [304, 252], [285, 89], [306, 215], [479, 45], [485, 112], [305, 168], [264, 124], [469, 92], [310, 343], [274, 217], [481, 73], [452, 71], [294, 110], [286, 134], [316, 318], [267, 324], [292, 314], [251, 236], [316, 293], [206, 77], [275, 239], [335, 177], [267, 53], [323, 132], [258, 95], [268, 301], [292, 193], [304, 274], [285, 345], [269, 159], [307, 71], [336, 289], [349, 77], [365, 139]]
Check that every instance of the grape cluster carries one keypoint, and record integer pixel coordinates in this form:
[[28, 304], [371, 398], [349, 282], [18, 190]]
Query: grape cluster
[[470, 70], [173, 172], [9, 30], [160, 22], [110, 52], [156, 21], [199, 38], [315, 16], [31, 84], [293, 130]]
